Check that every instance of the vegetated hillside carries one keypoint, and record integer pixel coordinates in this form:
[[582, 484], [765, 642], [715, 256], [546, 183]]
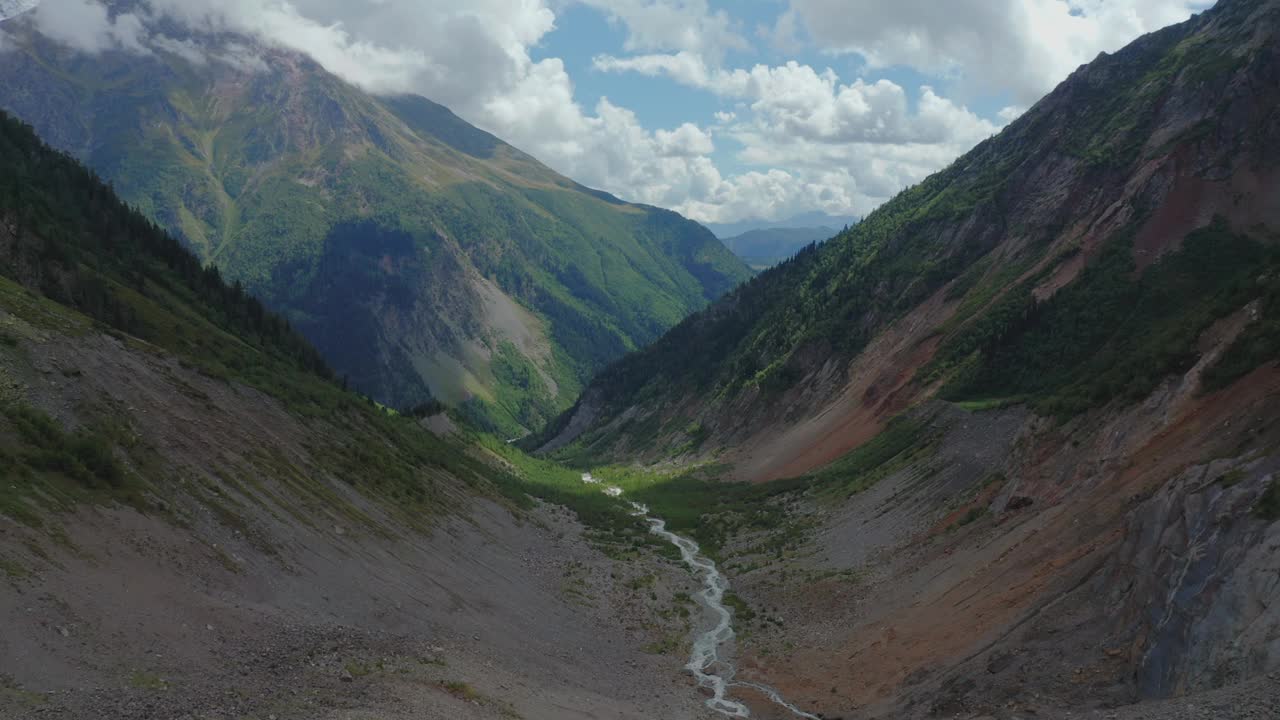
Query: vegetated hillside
[[422, 256], [1071, 261], [197, 521], [767, 247]]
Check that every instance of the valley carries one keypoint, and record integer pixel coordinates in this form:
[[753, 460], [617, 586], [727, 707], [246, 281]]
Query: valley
[[319, 402]]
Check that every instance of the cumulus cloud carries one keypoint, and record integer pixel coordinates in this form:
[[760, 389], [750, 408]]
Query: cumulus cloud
[[845, 147], [799, 101], [688, 140], [673, 25], [1023, 47]]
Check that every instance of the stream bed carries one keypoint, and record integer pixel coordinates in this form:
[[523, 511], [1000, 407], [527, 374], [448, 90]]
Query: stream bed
[[712, 671]]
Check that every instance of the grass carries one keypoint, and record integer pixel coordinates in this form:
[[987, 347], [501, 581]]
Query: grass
[[665, 645], [1231, 477], [12, 569], [699, 503], [972, 516], [147, 681], [905, 439], [986, 404], [46, 468], [12, 694], [461, 690], [742, 612], [1268, 507]]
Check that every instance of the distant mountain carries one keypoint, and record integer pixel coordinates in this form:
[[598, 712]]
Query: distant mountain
[[765, 248], [421, 255], [803, 220]]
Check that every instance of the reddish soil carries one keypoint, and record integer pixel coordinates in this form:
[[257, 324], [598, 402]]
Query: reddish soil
[[881, 387], [951, 595]]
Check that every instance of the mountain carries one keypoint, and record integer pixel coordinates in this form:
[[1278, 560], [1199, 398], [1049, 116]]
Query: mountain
[[1015, 435], [803, 220], [196, 519], [422, 256], [767, 247], [1019, 271]]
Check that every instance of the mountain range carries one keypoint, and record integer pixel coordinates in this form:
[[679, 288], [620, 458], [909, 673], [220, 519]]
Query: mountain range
[[424, 257], [767, 247], [802, 220]]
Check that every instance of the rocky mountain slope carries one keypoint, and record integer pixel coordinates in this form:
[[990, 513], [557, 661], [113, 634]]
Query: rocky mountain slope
[[1071, 260], [1025, 415], [422, 256], [196, 521]]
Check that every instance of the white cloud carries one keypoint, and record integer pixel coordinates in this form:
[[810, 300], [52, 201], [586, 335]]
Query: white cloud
[[188, 50], [1023, 47], [1009, 113], [845, 147], [673, 25], [688, 140], [242, 58], [86, 25], [809, 139], [783, 35], [366, 63]]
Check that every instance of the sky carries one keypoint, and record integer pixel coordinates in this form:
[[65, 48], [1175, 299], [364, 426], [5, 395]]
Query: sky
[[723, 110]]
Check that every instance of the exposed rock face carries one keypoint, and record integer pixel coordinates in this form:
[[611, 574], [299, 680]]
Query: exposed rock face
[[1018, 565]]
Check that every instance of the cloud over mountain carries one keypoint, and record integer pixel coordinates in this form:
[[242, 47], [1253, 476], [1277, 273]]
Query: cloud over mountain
[[776, 137]]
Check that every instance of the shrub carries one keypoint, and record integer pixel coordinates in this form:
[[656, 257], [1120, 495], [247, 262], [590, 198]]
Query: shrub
[[1268, 507]]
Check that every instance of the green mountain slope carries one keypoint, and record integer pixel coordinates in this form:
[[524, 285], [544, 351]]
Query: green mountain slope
[[421, 255], [80, 270], [1072, 260]]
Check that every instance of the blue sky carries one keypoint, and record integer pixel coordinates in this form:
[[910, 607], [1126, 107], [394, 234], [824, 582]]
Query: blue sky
[[583, 33], [720, 110]]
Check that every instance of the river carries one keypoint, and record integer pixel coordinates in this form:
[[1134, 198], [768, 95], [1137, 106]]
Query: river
[[712, 671]]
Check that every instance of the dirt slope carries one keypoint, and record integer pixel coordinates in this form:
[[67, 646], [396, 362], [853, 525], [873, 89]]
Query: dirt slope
[[1020, 566], [260, 583]]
